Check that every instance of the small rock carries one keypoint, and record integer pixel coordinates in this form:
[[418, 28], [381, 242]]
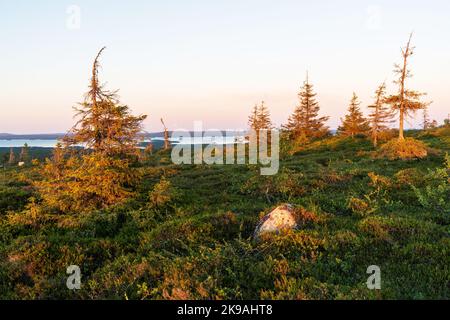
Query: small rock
[[281, 218]]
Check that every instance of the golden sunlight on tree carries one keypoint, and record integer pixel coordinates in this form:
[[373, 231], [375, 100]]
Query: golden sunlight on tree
[[101, 174], [104, 125], [305, 121], [354, 122], [381, 114], [260, 118], [406, 101]]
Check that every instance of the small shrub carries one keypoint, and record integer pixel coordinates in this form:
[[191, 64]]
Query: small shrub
[[361, 207], [410, 176], [436, 194], [162, 194], [13, 198], [290, 244], [379, 182], [305, 218]]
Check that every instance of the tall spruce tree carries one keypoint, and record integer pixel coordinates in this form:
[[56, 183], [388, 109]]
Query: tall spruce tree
[[103, 175], [259, 119], [406, 102], [253, 118], [354, 122], [264, 121], [105, 125], [305, 120], [381, 114]]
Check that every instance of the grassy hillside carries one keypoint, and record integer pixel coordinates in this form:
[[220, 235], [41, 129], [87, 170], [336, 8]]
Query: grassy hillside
[[189, 235]]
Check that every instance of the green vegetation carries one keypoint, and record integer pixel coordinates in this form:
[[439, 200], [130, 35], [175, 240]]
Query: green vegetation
[[141, 227], [187, 231]]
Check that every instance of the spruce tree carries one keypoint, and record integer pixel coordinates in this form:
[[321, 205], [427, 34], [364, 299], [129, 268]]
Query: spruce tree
[[305, 120], [12, 156], [253, 119], [105, 125], [259, 119], [25, 153], [354, 122], [264, 121], [149, 148], [102, 174], [381, 114]]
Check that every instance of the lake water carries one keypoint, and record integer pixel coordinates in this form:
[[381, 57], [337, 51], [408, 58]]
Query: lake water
[[50, 143], [30, 142]]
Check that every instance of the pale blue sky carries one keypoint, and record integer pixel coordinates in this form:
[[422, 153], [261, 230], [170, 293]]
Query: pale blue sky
[[213, 60]]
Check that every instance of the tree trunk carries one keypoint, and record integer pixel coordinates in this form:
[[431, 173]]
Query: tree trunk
[[406, 54], [166, 139], [400, 129]]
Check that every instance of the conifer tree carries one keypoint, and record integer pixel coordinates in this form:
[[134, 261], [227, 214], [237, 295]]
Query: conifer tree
[[105, 125], [12, 156], [305, 120], [149, 148], [259, 119], [253, 119], [25, 153], [102, 175], [354, 122], [406, 101], [264, 122], [381, 114]]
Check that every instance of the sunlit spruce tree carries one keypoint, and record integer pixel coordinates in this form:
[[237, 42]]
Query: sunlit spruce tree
[[305, 121], [259, 119], [354, 122], [94, 168], [253, 118], [381, 114], [105, 125], [264, 122]]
